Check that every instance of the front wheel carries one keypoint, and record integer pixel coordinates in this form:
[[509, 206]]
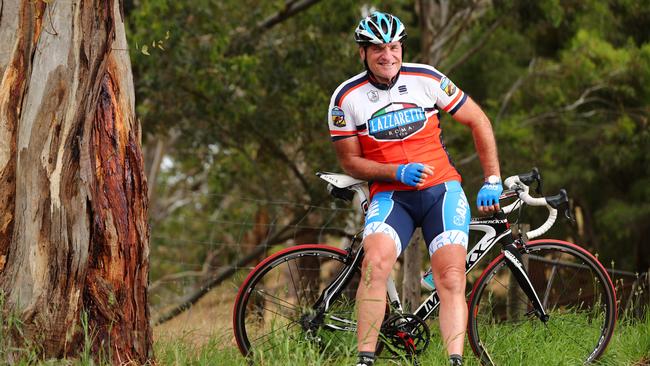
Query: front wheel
[[275, 304], [576, 292]]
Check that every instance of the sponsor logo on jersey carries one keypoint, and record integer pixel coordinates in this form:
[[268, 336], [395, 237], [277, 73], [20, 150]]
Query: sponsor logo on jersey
[[338, 117], [402, 89], [373, 96], [396, 121], [447, 86]]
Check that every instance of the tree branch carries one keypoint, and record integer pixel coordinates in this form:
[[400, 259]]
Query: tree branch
[[279, 153], [292, 7], [174, 277], [479, 44], [516, 85], [465, 17], [243, 42], [227, 271]]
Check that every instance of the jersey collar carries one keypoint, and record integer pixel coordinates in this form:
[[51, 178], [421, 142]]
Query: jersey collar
[[382, 86]]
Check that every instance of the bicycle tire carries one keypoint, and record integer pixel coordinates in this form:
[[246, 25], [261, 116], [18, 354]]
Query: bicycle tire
[[270, 306], [582, 312]]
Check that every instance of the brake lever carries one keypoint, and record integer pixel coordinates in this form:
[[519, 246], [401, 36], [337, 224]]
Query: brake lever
[[568, 214], [532, 177]]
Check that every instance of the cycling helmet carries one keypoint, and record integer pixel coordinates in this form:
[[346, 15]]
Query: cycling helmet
[[379, 28]]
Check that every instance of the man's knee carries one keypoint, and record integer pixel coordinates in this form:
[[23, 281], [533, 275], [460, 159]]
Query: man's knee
[[452, 279], [379, 257]]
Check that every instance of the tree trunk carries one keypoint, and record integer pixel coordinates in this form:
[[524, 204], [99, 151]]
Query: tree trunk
[[73, 200], [412, 272], [433, 17], [642, 247]]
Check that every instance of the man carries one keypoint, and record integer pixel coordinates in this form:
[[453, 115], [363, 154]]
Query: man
[[385, 129]]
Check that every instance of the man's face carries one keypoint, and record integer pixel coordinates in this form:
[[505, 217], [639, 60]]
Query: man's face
[[383, 60]]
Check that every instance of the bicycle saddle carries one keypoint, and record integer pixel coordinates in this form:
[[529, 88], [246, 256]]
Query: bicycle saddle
[[339, 180]]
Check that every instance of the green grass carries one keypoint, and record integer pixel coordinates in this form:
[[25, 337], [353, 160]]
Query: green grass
[[630, 345]]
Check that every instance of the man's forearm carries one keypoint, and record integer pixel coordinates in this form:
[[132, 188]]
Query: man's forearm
[[486, 148], [361, 168]]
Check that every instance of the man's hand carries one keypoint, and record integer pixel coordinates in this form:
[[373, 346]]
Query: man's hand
[[413, 174], [487, 199]]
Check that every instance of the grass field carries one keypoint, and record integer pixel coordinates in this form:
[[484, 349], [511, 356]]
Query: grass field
[[203, 336], [629, 346], [189, 340]]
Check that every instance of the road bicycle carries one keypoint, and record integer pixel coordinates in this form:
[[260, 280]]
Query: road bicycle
[[543, 292]]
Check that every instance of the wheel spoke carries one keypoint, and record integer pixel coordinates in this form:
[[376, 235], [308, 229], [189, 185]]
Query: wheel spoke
[[277, 301], [272, 332], [295, 288], [282, 295], [572, 338]]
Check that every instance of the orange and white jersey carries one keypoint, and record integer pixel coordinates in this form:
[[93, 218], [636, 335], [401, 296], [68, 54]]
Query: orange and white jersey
[[398, 124]]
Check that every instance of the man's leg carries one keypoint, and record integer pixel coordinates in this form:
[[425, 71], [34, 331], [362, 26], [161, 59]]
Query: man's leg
[[379, 257], [448, 266]]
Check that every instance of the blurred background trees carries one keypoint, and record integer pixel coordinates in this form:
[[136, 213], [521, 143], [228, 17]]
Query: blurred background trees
[[233, 97]]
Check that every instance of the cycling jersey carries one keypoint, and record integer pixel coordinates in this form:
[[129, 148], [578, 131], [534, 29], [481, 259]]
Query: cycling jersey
[[398, 124]]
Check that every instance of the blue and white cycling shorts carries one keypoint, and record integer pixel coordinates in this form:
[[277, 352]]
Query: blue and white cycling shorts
[[441, 211]]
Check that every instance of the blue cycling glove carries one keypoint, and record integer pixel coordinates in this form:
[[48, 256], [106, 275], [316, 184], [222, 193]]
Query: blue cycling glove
[[489, 194], [410, 174]]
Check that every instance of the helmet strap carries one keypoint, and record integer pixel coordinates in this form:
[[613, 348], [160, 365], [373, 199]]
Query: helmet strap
[[365, 58]]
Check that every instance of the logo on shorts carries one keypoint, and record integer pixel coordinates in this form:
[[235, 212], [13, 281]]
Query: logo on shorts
[[461, 211], [373, 210], [338, 117]]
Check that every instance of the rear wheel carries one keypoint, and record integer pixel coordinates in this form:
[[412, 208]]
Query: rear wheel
[[275, 303], [576, 292]]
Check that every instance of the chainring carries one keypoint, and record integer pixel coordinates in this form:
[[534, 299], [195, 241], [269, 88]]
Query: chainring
[[405, 334]]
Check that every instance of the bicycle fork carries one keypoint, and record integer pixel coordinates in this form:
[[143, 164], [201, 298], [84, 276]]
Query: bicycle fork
[[516, 265]]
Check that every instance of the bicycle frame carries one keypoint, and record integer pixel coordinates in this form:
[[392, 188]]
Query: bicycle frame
[[496, 230]]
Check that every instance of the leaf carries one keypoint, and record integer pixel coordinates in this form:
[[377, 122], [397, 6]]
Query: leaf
[[145, 50]]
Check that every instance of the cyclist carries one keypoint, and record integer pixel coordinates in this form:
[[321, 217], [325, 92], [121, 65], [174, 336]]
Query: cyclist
[[385, 128]]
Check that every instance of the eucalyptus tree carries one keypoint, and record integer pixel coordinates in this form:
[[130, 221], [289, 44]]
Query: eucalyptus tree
[[73, 201]]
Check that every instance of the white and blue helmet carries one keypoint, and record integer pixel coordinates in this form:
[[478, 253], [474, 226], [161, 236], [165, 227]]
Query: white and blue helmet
[[379, 28]]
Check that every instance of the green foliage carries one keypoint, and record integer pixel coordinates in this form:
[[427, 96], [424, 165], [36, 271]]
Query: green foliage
[[565, 83], [580, 112], [249, 108]]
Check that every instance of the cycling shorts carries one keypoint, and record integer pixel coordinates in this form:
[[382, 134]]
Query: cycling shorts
[[441, 211]]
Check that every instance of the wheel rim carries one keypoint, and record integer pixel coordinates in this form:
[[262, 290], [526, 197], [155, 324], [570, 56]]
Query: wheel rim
[[576, 297], [276, 307]]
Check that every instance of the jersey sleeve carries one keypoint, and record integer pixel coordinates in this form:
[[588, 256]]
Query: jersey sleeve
[[341, 123], [448, 96]]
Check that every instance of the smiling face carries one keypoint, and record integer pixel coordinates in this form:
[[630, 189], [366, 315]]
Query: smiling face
[[384, 60]]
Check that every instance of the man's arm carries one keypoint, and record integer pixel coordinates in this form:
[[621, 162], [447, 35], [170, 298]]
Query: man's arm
[[348, 152], [471, 115]]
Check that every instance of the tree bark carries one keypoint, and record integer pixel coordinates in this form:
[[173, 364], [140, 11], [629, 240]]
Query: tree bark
[[73, 198], [412, 272]]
